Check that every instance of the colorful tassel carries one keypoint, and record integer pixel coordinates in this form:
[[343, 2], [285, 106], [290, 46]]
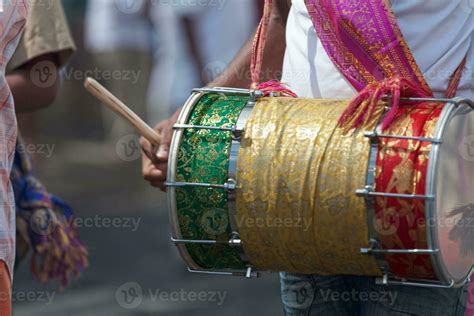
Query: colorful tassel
[[272, 86], [45, 224], [370, 100]]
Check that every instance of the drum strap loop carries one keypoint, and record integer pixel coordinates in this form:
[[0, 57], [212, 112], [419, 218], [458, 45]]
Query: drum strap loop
[[258, 50]]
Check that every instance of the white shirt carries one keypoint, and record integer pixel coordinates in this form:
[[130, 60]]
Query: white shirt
[[438, 32]]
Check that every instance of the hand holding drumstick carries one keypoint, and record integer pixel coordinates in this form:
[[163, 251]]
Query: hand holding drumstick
[[154, 142]]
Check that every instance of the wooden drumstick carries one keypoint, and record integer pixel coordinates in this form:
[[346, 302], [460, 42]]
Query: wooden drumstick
[[106, 97]]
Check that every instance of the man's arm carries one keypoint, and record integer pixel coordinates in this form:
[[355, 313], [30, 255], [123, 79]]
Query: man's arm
[[236, 75], [31, 90]]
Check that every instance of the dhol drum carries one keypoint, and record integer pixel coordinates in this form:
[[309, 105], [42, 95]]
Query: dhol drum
[[272, 184]]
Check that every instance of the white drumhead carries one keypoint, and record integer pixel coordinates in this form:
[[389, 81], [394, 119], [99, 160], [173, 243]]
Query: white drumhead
[[452, 214]]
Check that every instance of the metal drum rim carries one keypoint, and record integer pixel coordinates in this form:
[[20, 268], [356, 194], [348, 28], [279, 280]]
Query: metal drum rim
[[444, 276], [183, 118], [171, 176], [232, 173]]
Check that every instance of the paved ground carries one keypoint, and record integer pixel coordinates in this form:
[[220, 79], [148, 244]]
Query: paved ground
[[134, 270]]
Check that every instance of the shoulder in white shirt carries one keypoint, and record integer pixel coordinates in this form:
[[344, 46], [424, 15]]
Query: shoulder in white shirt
[[438, 32]]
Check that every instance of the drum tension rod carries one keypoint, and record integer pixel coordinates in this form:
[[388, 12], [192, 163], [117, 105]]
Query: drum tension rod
[[233, 242], [374, 247], [369, 192], [386, 280], [236, 132], [374, 135], [249, 273], [230, 185]]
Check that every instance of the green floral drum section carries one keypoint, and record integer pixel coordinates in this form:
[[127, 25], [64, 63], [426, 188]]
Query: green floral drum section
[[204, 157]]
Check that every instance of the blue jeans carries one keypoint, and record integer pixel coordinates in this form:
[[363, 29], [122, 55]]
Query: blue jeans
[[310, 295]]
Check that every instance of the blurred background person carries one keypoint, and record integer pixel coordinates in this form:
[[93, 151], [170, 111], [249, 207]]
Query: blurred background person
[[122, 220], [33, 75], [196, 41], [119, 35]]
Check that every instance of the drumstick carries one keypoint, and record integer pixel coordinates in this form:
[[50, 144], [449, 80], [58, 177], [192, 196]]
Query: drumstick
[[106, 97]]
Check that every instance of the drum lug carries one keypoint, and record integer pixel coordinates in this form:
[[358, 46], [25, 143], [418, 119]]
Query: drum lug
[[256, 94], [383, 280], [365, 192], [235, 240], [250, 273], [231, 185], [237, 133]]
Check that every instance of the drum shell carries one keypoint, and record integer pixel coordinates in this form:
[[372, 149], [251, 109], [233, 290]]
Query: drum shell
[[429, 239]]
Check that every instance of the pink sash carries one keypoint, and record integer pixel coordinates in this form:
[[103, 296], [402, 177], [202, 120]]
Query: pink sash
[[364, 41]]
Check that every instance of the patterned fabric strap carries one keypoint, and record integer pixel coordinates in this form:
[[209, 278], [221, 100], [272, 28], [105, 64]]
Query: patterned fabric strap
[[364, 41], [258, 46], [258, 50], [455, 80]]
